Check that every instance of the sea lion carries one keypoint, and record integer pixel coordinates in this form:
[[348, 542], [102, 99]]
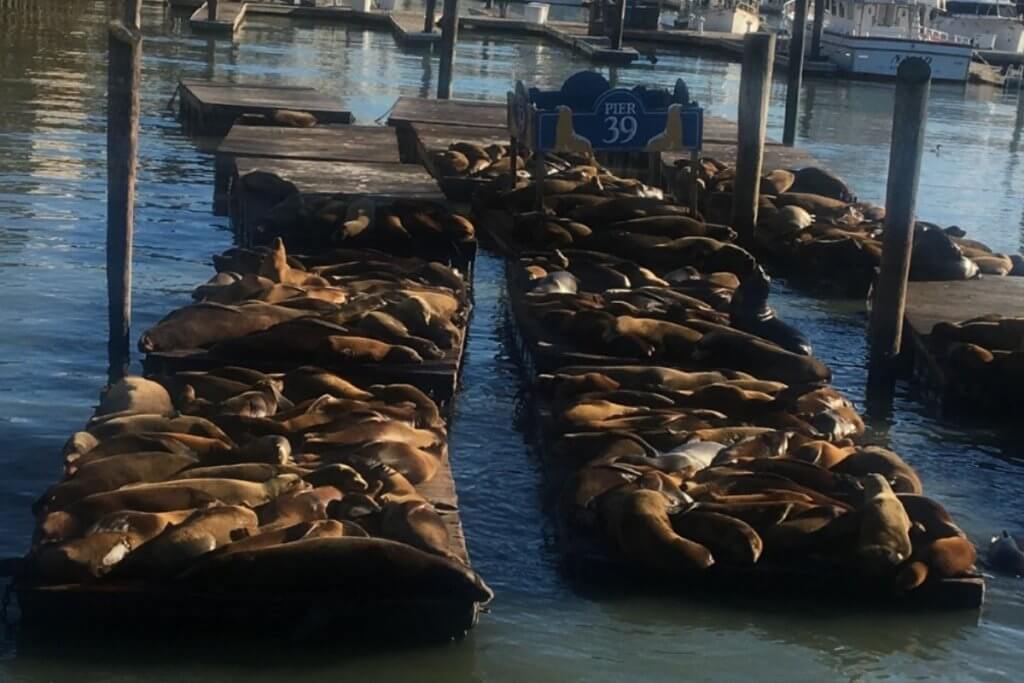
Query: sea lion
[[180, 495], [112, 472], [369, 432], [817, 204], [1005, 555], [309, 382], [365, 350], [869, 460], [418, 524], [342, 477], [761, 357], [246, 539], [730, 540], [750, 312], [935, 256], [637, 523], [206, 323], [298, 506], [178, 547], [883, 542], [382, 569], [415, 464], [109, 427], [821, 181], [135, 395]]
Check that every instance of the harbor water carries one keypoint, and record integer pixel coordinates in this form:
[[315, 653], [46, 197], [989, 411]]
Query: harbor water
[[541, 626]]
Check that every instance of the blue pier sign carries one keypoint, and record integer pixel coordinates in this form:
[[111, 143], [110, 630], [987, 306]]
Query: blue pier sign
[[587, 115]]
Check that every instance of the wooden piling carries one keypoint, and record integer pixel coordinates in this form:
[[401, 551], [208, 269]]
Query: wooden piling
[[123, 79], [449, 36], [796, 73], [428, 16], [910, 114], [211, 9], [819, 19], [755, 85], [620, 24]]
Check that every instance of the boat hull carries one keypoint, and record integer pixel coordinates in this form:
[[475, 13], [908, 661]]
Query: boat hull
[[881, 57]]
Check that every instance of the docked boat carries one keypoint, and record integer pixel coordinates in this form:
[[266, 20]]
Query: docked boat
[[773, 6], [721, 16], [872, 37], [989, 24]]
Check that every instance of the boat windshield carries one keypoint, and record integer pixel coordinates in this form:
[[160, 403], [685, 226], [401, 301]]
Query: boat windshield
[[981, 9]]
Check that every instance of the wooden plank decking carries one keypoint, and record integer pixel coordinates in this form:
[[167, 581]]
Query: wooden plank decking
[[374, 144], [211, 107], [467, 114], [377, 179]]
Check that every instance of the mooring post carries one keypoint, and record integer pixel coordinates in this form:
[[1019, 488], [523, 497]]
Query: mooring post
[[620, 24], [909, 115], [796, 72], [211, 10], [123, 78], [819, 19], [752, 118], [449, 36], [428, 16]]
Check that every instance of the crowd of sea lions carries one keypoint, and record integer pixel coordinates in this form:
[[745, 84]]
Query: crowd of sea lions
[[812, 227], [338, 306], [267, 467], [696, 429], [982, 358]]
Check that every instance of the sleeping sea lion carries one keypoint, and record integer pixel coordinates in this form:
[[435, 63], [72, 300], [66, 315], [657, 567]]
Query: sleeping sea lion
[[883, 542]]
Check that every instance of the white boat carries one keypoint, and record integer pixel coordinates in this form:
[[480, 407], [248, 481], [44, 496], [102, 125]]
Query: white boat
[[723, 16], [872, 37], [773, 6], [990, 24]]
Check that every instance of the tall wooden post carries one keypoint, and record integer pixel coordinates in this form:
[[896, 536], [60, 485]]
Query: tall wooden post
[[428, 16], [819, 19], [449, 36], [909, 115], [211, 10], [123, 80], [619, 22], [752, 118], [796, 72]]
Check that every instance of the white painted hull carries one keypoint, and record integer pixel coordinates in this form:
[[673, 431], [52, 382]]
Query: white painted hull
[[732, 20], [881, 57], [988, 33]]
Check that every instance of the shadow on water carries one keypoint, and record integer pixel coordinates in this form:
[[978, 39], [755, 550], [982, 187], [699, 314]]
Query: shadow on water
[[52, 362]]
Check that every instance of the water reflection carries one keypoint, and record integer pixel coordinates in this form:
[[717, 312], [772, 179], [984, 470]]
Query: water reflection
[[52, 70]]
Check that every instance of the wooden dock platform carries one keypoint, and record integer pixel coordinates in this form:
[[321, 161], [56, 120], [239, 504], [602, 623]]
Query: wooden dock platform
[[929, 303], [229, 18], [210, 108], [568, 34], [374, 144], [466, 114], [408, 29], [383, 180]]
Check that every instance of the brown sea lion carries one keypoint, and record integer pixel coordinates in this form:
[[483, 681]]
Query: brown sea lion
[[112, 472], [415, 464], [203, 324], [884, 538], [870, 460], [247, 539], [418, 524], [135, 395], [376, 431], [730, 540], [342, 477], [142, 423], [178, 547], [763, 358], [637, 522], [309, 382], [181, 495], [366, 350]]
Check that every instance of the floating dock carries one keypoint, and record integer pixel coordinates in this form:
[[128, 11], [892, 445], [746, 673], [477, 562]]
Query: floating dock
[[470, 115], [210, 108], [930, 303], [373, 144]]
